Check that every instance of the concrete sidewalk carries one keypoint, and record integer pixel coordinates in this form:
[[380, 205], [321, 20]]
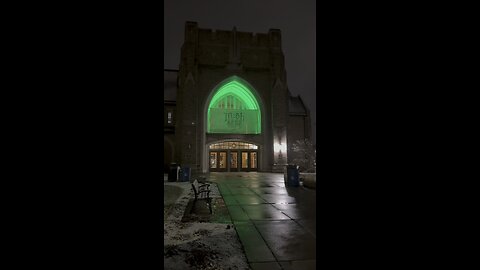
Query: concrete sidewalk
[[276, 224]]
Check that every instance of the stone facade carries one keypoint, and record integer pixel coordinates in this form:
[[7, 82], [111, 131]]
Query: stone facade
[[209, 58]]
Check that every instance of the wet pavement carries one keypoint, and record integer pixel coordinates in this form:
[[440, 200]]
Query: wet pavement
[[276, 224]]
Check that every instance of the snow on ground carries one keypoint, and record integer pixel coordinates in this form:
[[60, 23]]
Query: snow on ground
[[199, 245]]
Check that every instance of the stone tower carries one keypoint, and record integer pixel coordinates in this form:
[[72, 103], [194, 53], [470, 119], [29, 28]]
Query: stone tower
[[211, 58]]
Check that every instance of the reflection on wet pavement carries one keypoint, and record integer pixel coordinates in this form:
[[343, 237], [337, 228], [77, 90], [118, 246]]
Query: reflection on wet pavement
[[263, 212], [278, 198], [272, 191], [249, 199], [294, 211], [276, 224], [287, 240]]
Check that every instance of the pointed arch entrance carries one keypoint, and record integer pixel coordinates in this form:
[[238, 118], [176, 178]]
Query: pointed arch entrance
[[233, 113], [234, 109]]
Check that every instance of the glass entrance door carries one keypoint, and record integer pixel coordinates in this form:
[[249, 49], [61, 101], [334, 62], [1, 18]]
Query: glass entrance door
[[249, 161], [222, 161], [213, 161], [233, 156], [233, 161], [253, 161], [244, 161], [218, 161]]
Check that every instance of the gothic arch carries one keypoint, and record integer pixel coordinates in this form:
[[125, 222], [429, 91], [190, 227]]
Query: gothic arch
[[234, 108]]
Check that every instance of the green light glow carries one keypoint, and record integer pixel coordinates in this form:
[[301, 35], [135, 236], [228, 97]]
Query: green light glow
[[234, 109]]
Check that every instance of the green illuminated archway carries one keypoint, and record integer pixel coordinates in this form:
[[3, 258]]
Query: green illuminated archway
[[234, 109]]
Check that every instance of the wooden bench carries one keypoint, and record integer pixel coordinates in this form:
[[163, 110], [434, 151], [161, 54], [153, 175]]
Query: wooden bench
[[201, 192]]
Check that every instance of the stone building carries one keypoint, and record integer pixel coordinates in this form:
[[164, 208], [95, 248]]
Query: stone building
[[228, 107]]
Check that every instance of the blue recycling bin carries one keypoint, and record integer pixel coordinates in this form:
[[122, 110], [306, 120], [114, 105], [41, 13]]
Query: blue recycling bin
[[185, 174], [292, 176]]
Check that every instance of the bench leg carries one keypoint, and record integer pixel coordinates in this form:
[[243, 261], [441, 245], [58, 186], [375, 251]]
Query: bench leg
[[210, 205]]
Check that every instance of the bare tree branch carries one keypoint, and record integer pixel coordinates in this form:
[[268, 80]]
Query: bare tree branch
[[306, 150]]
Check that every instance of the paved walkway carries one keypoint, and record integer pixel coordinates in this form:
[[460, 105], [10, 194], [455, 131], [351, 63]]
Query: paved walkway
[[276, 224]]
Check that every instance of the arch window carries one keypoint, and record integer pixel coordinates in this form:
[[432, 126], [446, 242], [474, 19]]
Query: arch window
[[233, 145], [234, 109]]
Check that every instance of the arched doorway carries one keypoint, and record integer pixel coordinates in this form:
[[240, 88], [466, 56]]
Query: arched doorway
[[233, 156], [233, 112]]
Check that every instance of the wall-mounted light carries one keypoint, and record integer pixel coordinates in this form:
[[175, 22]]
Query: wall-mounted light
[[279, 148], [276, 147]]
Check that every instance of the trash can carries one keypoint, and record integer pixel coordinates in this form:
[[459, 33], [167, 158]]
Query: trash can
[[292, 176], [185, 174], [173, 172]]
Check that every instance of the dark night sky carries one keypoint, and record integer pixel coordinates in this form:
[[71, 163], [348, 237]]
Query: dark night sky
[[296, 20]]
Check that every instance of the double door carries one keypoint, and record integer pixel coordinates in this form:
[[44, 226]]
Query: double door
[[233, 160]]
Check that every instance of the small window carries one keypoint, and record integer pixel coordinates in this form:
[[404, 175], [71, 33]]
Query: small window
[[169, 117]]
